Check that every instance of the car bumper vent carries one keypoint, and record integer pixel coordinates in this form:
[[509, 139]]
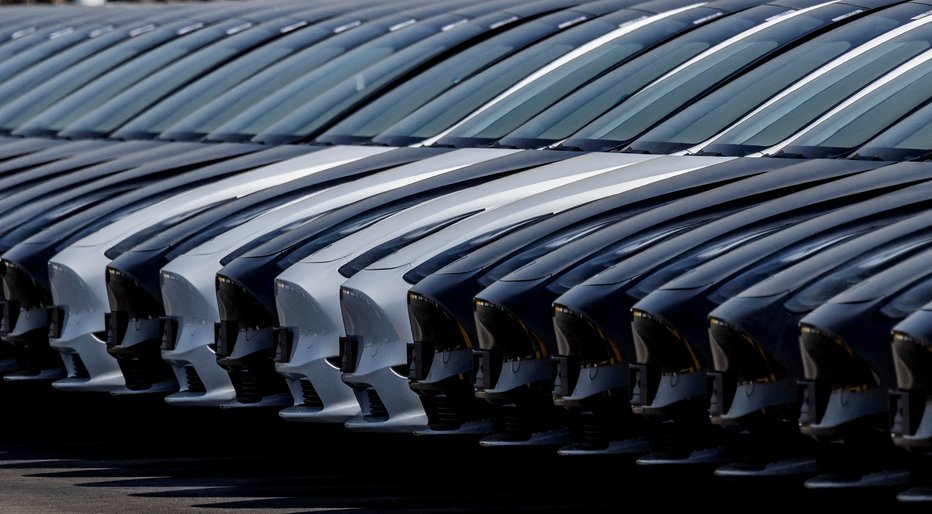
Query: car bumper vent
[[376, 407], [309, 395], [515, 420], [195, 384], [443, 412], [593, 429], [136, 373], [80, 370], [248, 386]]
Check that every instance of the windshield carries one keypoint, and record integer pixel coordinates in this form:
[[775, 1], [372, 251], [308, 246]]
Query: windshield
[[380, 114], [632, 39], [67, 81], [911, 138], [691, 81], [789, 114], [281, 102], [211, 86], [726, 105], [103, 88], [857, 123], [119, 109]]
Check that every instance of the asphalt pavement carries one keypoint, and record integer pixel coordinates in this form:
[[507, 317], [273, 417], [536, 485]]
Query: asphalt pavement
[[84, 453]]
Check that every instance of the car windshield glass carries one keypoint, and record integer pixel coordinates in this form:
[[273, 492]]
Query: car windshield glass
[[792, 112], [380, 114], [211, 86], [910, 138], [688, 83], [43, 95], [454, 105], [724, 106], [124, 106], [879, 109], [284, 101], [94, 42], [517, 108], [122, 78], [573, 112]]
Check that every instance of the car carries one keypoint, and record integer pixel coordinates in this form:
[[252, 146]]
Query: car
[[845, 342], [763, 319], [909, 425]]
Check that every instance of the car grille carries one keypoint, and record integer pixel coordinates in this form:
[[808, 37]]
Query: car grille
[[195, 384], [309, 394]]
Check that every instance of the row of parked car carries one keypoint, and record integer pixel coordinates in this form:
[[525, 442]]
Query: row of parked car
[[688, 232]]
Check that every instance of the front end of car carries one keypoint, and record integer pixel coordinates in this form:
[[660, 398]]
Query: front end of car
[[308, 344], [373, 352], [188, 334]]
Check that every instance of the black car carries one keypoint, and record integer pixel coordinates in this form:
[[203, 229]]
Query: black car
[[754, 335], [909, 405], [669, 325], [848, 369]]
